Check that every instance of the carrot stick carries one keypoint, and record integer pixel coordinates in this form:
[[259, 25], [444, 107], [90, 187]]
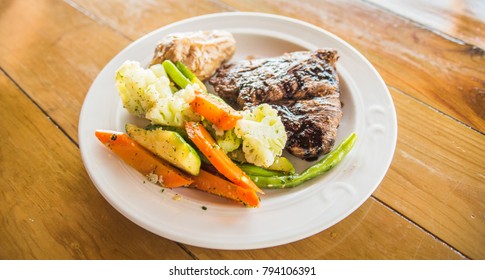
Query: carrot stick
[[215, 110], [142, 160], [213, 184], [207, 145]]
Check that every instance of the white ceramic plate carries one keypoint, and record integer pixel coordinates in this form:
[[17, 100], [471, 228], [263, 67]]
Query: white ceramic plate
[[284, 215]]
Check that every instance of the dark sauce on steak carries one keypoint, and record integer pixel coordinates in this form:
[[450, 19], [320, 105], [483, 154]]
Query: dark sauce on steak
[[302, 86]]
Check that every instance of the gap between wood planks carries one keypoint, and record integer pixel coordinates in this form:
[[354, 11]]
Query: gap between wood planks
[[183, 246], [475, 49], [434, 109], [95, 18], [39, 107], [385, 205]]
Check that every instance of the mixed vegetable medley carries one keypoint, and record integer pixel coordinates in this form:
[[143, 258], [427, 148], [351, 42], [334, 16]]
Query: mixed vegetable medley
[[196, 140]]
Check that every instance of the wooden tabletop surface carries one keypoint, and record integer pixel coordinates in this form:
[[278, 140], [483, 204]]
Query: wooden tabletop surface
[[430, 204]]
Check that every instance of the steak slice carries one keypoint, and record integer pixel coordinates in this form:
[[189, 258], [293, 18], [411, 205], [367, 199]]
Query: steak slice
[[302, 86]]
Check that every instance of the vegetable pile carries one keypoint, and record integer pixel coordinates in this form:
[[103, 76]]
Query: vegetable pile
[[193, 131]]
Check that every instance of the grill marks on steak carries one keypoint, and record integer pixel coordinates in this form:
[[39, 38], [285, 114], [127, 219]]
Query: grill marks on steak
[[311, 125], [302, 86], [297, 75]]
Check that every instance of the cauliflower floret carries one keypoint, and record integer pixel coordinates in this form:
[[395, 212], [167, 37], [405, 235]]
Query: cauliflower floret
[[132, 83], [174, 110], [263, 135], [146, 93]]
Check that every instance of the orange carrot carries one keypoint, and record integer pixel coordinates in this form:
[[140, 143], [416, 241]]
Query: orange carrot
[[142, 160], [213, 184], [208, 146], [215, 110]]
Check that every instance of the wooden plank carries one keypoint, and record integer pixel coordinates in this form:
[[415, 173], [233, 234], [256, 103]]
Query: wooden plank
[[443, 73], [371, 232], [49, 208], [46, 64], [329, 16], [136, 18], [54, 52], [464, 20], [437, 177]]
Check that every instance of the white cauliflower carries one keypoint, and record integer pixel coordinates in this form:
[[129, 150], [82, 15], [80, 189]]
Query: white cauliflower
[[263, 135], [174, 110], [146, 93]]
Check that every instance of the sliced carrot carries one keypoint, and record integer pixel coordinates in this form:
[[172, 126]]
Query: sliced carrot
[[215, 110], [142, 160], [213, 184], [208, 146]]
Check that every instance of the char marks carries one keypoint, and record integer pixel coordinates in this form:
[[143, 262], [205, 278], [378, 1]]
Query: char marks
[[302, 86]]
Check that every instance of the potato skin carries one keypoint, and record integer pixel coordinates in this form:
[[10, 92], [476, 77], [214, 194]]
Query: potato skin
[[202, 51]]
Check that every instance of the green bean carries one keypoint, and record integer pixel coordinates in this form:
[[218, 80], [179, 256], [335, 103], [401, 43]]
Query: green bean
[[174, 73], [185, 71], [258, 171], [190, 75], [322, 166], [283, 165]]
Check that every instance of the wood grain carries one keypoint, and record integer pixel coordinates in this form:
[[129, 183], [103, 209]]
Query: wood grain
[[437, 177], [136, 18], [429, 206], [371, 232], [49, 208], [49, 203], [457, 18], [54, 52], [443, 73]]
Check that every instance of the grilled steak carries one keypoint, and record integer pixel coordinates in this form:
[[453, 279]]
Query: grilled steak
[[302, 86]]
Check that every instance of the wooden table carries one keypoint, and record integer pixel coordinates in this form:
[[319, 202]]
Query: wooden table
[[430, 205]]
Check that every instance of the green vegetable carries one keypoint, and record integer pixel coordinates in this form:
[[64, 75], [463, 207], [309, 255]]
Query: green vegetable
[[168, 145], [185, 71], [228, 141], [189, 75], [182, 133], [258, 171], [282, 164], [179, 130], [322, 166], [175, 74]]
